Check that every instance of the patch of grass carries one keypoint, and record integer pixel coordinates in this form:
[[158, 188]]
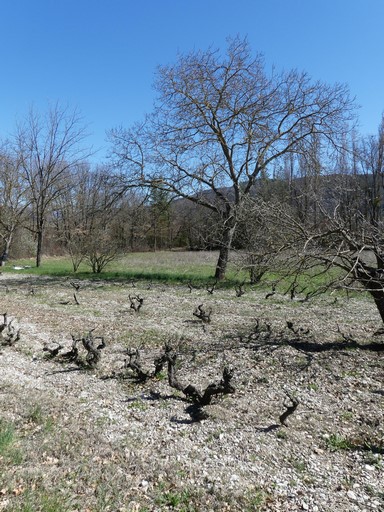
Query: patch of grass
[[299, 465], [374, 493], [374, 459], [350, 373], [359, 443], [138, 404], [307, 283], [151, 337], [177, 267], [50, 266], [38, 500], [176, 499], [165, 266], [8, 451], [36, 415], [7, 436], [161, 376], [346, 416], [281, 434], [337, 442], [255, 500]]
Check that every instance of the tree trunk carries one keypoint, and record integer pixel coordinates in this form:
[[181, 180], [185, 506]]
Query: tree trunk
[[4, 256], [378, 297], [226, 244], [373, 284], [39, 247]]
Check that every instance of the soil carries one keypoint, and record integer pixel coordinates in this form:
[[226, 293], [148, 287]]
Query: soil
[[97, 439]]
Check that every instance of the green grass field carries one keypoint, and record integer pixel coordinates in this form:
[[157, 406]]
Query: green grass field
[[170, 267]]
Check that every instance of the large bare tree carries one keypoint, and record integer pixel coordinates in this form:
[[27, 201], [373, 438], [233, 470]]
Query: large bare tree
[[220, 121], [48, 146]]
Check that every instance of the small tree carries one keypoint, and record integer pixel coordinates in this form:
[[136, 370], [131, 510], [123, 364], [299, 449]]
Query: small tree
[[255, 251], [48, 147], [84, 215], [100, 250]]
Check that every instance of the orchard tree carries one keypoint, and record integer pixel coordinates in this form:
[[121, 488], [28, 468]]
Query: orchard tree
[[220, 121], [48, 147]]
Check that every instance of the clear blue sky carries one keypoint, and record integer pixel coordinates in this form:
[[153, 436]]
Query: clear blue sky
[[99, 56]]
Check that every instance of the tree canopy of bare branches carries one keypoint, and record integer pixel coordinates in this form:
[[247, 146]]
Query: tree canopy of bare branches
[[344, 241], [48, 146], [220, 121]]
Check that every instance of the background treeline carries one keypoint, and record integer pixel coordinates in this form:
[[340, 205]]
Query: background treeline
[[90, 213]]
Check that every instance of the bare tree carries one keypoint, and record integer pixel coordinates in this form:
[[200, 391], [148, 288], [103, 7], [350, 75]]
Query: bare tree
[[371, 159], [84, 214], [70, 214], [131, 224], [345, 245], [48, 147], [13, 200], [221, 121]]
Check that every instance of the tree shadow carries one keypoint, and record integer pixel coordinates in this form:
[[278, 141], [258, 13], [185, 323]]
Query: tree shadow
[[69, 370], [30, 280], [365, 446], [315, 347], [153, 397], [270, 428], [269, 340]]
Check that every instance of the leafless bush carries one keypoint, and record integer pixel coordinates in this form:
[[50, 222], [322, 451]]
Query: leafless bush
[[199, 398], [136, 302], [98, 258], [240, 290], [134, 364], [76, 285], [92, 345], [53, 349], [93, 350], [9, 334], [202, 314], [169, 357]]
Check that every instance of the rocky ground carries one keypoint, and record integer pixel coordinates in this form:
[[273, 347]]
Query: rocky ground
[[80, 438]]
